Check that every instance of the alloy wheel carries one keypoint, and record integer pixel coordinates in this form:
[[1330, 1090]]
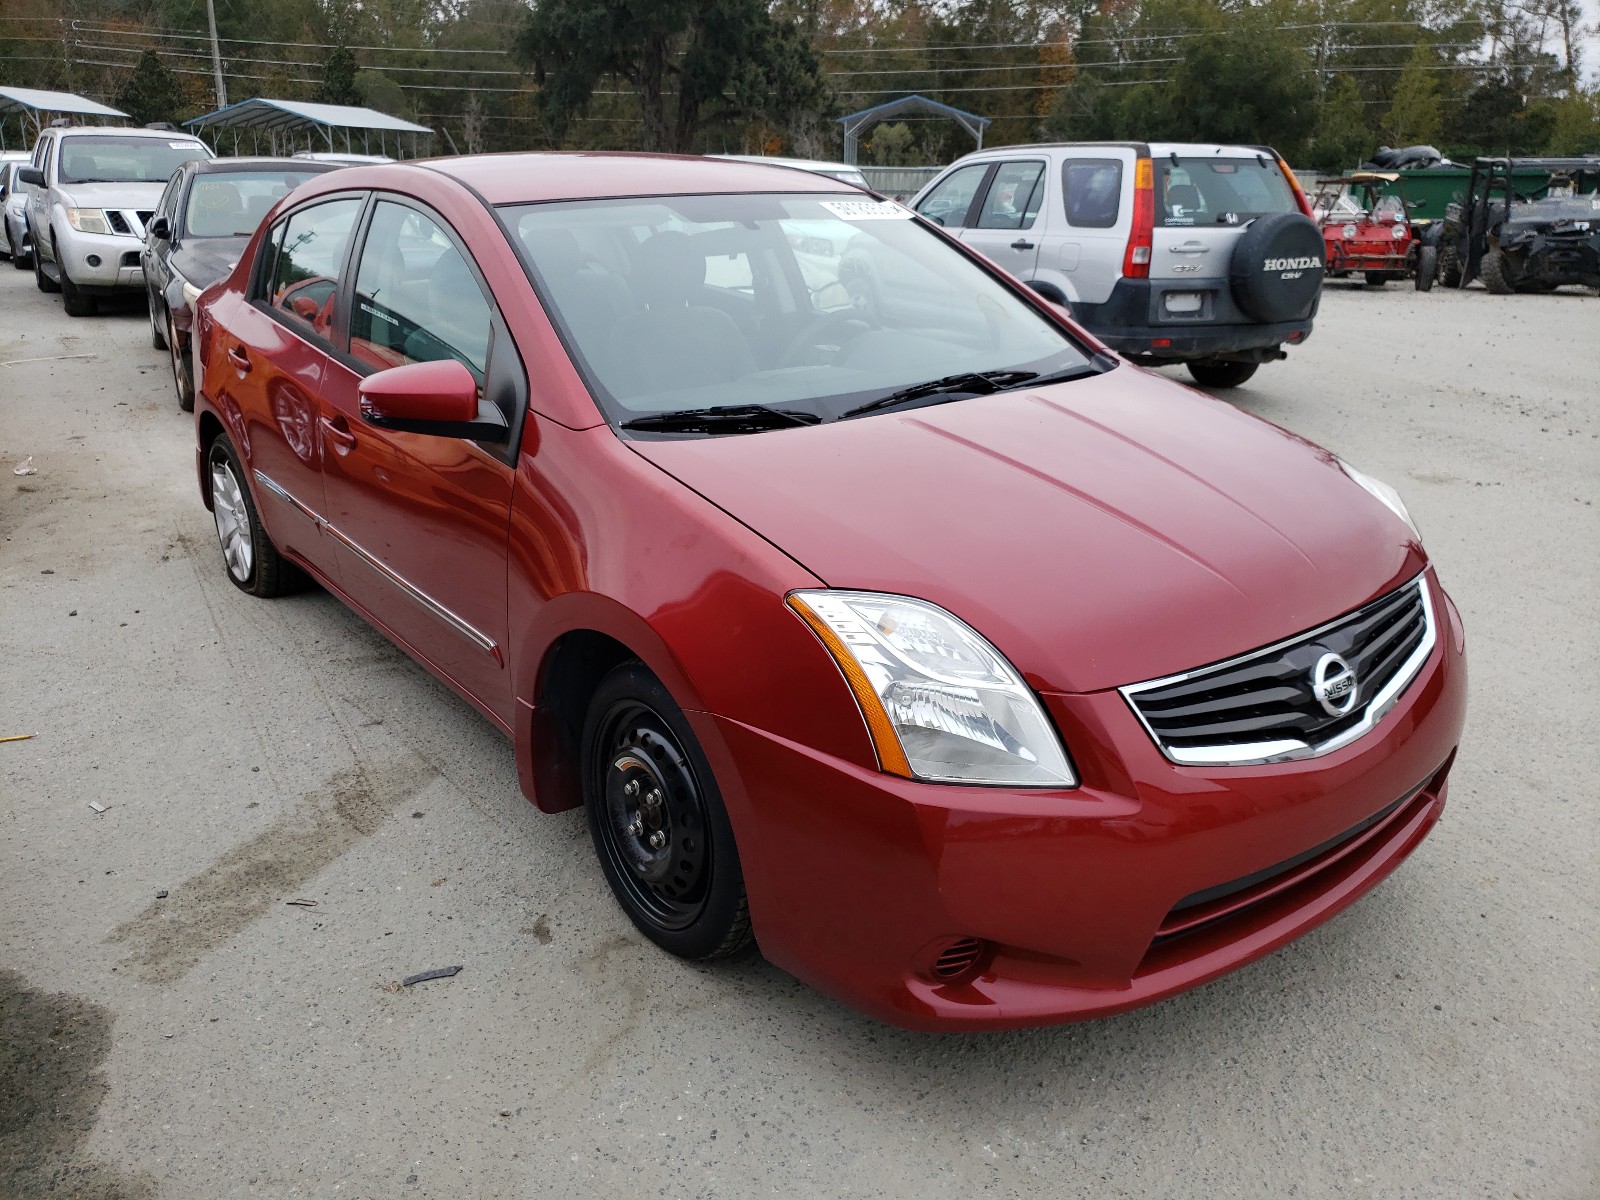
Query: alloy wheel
[[233, 522]]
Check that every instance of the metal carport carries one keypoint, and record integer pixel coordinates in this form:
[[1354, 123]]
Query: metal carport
[[289, 125], [855, 122], [36, 103]]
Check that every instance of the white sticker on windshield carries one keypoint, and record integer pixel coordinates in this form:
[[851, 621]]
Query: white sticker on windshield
[[867, 210], [181, 145]]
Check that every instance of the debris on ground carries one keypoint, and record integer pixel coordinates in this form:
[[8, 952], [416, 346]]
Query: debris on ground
[[441, 973], [302, 902], [18, 737], [97, 806], [391, 986], [162, 894], [25, 467]]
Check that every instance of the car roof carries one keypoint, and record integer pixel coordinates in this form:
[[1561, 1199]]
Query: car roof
[[165, 135], [213, 166], [582, 175]]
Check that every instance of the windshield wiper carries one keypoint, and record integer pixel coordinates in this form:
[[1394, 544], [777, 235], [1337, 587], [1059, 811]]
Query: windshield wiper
[[1094, 366], [967, 383], [729, 418]]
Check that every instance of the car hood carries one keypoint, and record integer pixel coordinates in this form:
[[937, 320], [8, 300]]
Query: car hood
[[203, 261], [111, 195], [1100, 533]]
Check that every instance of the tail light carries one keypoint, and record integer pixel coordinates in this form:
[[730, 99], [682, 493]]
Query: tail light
[[1294, 186], [1136, 259]]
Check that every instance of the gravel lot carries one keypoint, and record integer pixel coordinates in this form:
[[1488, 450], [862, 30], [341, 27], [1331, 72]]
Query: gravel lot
[[1437, 1040]]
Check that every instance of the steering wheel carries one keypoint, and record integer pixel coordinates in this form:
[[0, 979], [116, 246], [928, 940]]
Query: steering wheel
[[823, 338]]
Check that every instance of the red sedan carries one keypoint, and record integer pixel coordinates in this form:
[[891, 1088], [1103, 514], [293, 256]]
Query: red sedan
[[872, 610]]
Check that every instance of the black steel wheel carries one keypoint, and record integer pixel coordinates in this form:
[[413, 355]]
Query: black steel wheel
[[657, 820], [1427, 268]]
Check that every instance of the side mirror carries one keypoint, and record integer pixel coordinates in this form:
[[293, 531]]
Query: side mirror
[[161, 228], [438, 398], [32, 176]]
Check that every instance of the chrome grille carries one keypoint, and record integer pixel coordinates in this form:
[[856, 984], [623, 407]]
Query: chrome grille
[[1265, 706]]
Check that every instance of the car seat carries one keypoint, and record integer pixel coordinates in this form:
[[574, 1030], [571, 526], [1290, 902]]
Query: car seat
[[676, 342]]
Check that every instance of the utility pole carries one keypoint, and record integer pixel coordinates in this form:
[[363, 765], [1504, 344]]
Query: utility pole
[[66, 54], [216, 54]]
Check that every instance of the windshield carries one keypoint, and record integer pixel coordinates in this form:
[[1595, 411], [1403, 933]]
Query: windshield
[[817, 304], [113, 159], [1219, 191], [232, 204]]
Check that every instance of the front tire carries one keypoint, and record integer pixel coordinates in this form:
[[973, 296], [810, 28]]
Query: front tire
[[1494, 272], [73, 299], [182, 370], [1221, 374], [251, 560], [158, 340], [1427, 268], [1449, 265], [657, 820]]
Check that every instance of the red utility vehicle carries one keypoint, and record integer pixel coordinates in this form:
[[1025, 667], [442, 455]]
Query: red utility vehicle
[[1365, 230], [984, 680]]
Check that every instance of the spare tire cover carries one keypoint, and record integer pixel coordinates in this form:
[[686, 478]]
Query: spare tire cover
[[1276, 270]]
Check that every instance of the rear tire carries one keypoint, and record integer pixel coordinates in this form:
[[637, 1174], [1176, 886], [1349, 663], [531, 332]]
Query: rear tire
[[657, 820], [1221, 374], [1494, 272], [1376, 279], [1427, 268], [251, 560], [1449, 265]]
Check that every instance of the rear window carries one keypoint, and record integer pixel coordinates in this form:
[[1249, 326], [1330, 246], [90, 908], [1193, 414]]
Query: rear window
[[1219, 191]]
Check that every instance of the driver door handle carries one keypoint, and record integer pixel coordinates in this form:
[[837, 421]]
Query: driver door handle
[[239, 358], [1022, 244], [337, 431]]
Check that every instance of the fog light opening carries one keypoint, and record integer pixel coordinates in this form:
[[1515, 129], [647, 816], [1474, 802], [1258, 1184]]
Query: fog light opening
[[93, 260], [958, 960]]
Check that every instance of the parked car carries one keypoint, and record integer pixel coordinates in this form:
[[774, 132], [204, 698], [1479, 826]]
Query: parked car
[[339, 159], [13, 199], [982, 679], [1368, 229], [1201, 254], [93, 190], [201, 225], [1519, 237]]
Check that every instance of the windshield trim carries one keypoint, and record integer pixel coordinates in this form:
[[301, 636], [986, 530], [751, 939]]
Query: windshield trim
[[613, 412]]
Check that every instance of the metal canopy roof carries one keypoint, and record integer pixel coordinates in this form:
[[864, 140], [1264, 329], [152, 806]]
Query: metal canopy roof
[[855, 122], [37, 100], [263, 114]]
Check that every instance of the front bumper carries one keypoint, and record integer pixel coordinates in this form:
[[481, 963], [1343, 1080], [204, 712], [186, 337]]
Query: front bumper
[[859, 880], [116, 265]]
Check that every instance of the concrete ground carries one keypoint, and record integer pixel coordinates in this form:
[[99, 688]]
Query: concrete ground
[[1437, 1040]]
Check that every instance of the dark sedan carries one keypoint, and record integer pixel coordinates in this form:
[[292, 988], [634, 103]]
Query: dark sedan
[[201, 225]]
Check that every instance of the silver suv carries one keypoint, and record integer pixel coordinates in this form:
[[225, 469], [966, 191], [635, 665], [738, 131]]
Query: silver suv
[[1202, 254], [93, 189]]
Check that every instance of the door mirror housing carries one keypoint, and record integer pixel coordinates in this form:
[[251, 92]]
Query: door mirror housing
[[161, 228], [32, 176], [438, 398]]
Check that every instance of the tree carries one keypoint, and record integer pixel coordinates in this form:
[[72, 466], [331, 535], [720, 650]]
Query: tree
[[339, 78], [1413, 118], [151, 92], [691, 62], [1342, 139]]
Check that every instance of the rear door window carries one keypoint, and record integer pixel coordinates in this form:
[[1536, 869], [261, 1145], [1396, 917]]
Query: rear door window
[[951, 198], [1219, 191], [1012, 201], [303, 280], [1092, 191]]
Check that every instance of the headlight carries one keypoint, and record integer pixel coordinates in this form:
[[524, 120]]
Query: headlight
[[88, 220], [941, 703], [1381, 491]]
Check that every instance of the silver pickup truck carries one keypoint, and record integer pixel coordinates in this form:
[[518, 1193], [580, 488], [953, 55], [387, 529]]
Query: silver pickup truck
[[92, 190]]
